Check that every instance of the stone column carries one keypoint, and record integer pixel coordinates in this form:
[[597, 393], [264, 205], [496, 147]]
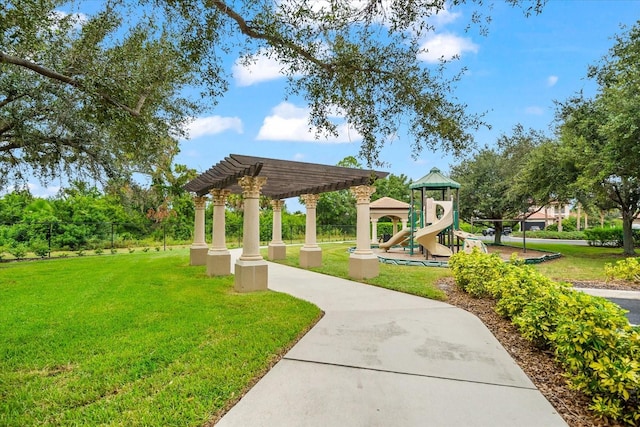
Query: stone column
[[395, 225], [363, 263], [277, 248], [374, 230], [251, 268], [404, 224], [310, 253], [198, 251], [218, 257]]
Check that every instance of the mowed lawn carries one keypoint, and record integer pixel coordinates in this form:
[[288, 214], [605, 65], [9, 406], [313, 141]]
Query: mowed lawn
[[136, 339]]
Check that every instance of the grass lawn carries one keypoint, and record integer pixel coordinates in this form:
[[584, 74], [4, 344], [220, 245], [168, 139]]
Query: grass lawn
[[132, 339], [577, 262], [411, 280]]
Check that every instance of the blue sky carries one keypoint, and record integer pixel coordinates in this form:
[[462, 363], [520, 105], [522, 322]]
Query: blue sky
[[514, 74]]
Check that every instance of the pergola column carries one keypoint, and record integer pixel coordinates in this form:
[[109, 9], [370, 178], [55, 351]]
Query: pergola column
[[404, 223], [218, 257], [310, 253], [363, 263], [198, 251], [251, 268], [374, 230], [395, 226], [277, 248]]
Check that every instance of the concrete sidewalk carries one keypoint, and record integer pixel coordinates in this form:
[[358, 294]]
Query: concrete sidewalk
[[384, 358]]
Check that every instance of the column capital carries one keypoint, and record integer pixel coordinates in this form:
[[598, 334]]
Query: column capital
[[251, 186], [219, 196], [277, 205], [363, 193], [199, 201], [310, 200]]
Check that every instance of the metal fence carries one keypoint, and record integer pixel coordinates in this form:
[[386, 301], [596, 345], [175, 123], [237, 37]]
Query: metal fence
[[43, 238]]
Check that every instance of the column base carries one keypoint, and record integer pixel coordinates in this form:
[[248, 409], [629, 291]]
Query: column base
[[218, 263], [277, 251], [198, 255], [251, 276], [363, 266], [310, 257]]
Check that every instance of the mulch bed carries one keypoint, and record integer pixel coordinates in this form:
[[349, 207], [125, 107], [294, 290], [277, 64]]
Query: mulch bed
[[539, 365]]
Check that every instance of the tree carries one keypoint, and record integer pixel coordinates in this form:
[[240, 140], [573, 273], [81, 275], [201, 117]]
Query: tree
[[394, 186], [82, 96], [487, 179], [101, 94], [601, 136]]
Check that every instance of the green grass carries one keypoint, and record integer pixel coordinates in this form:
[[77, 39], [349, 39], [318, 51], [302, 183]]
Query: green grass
[[411, 280], [136, 339], [577, 262]]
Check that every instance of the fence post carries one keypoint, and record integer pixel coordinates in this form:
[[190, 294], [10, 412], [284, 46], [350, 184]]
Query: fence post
[[112, 246], [164, 235], [49, 237]]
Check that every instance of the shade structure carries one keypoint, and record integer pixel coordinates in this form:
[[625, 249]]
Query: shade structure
[[285, 178], [434, 180]]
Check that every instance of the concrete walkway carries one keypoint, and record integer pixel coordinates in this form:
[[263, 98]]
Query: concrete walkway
[[384, 358]]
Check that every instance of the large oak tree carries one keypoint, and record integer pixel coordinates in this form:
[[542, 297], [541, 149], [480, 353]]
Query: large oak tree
[[100, 92]]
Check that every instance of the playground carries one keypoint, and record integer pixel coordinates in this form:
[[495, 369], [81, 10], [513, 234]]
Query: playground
[[430, 231]]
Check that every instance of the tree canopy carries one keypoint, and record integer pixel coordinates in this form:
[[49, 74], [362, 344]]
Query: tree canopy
[[487, 179], [600, 137], [100, 92]]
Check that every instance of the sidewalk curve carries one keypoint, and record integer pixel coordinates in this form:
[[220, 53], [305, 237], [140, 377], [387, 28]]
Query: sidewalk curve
[[384, 358]]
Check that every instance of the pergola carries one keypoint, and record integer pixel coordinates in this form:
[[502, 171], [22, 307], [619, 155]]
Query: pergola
[[277, 179]]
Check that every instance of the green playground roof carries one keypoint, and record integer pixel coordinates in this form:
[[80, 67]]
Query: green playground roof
[[434, 180]]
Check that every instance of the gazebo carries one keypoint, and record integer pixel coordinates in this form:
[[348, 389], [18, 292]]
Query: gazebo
[[434, 181], [390, 208], [278, 180]]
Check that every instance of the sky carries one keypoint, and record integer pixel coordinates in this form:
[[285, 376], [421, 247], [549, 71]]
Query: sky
[[514, 74]]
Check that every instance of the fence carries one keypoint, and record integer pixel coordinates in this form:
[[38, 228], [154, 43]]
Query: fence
[[42, 238]]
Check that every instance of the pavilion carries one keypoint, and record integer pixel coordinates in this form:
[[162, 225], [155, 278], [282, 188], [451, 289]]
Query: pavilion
[[278, 180]]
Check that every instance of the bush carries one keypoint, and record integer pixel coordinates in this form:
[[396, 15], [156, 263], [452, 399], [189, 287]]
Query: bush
[[610, 237], [18, 250], [40, 248], [590, 336], [625, 269]]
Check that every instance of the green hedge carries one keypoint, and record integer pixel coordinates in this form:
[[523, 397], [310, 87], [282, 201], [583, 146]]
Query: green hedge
[[608, 236], [590, 336]]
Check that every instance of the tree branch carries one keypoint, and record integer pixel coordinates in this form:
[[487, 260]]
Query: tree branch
[[43, 71], [249, 31]]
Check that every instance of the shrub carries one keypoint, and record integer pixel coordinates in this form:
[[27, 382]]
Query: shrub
[[625, 269], [40, 248], [18, 250], [590, 336], [98, 251], [610, 237]]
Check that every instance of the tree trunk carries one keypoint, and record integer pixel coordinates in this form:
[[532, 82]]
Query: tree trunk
[[497, 237], [627, 233]]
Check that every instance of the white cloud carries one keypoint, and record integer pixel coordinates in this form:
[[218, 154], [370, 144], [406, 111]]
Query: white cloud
[[44, 192], [552, 80], [445, 46], [212, 125], [262, 70], [534, 110], [290, 123], [298, 157]]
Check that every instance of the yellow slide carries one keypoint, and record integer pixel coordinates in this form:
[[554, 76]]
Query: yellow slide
[[428, 236], [396, 239]]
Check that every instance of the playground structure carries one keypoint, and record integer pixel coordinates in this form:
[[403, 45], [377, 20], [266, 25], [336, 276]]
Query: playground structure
[[434, 224]]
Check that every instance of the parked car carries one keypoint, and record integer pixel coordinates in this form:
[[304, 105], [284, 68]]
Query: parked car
[[506, 231], [534, 228], [488, 232]]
